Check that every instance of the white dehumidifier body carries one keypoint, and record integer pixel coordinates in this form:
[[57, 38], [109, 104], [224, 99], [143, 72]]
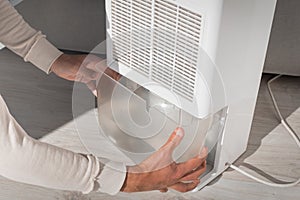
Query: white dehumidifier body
[[205, 57]]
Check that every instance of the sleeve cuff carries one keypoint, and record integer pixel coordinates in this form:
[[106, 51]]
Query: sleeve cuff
[[43, 54], [112, 178]]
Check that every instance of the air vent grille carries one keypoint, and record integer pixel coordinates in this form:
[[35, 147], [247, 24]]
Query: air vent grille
[[141, 35], [158, 39], [164, 42], [121, 23]]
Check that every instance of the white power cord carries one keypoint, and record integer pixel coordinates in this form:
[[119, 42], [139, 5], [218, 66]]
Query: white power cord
[[290, 131]]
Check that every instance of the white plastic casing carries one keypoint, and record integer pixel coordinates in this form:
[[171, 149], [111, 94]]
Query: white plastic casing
[[182, 63], [234, 34]]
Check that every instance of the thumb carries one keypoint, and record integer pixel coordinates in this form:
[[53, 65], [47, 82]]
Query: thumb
[[91, 85], [175, 139]]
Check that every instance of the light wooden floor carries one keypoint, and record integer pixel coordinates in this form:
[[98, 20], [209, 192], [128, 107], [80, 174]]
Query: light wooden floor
[[47, 115]]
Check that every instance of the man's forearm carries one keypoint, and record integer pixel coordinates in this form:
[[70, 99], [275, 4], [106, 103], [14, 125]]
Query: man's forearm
[[27, 160], [21, 38]]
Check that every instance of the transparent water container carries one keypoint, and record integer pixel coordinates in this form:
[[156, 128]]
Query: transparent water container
[[138, 122]]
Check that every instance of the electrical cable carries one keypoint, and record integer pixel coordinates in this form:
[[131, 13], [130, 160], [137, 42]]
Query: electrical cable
[[290, 131]]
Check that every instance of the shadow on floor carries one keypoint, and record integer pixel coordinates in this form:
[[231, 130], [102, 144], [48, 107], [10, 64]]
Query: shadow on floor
[[40, 103], [287, 93]]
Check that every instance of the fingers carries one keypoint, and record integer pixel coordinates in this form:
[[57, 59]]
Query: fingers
[[113, 74], [163, 157], [185, 187], [174, 140], [100, 66], [93, 67], [204, 152], [97, 64], [164, 190], [92, 86], [195, 174], [88, 74], [192, 164]]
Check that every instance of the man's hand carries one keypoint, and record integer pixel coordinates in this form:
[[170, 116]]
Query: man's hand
[[82, 68], [160, 172]]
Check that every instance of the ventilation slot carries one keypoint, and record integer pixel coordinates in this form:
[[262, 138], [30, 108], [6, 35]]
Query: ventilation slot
[[141, 35], [121, 26], [164, 41], [160, 40], [188, 39]]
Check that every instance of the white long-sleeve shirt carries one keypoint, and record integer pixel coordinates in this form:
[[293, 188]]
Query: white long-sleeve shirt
[[27, 160]]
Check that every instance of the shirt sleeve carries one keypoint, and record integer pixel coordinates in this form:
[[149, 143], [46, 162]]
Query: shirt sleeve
[[25, 41], [30, 161], [112, 178]]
